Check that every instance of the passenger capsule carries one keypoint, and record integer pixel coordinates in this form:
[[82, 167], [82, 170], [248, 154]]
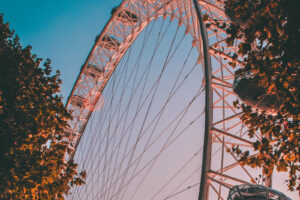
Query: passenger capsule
[[254, 95], [94, 71], [67, 133], [109, 42], [125, 16], [242, 21], [255, 192], [77, 101]]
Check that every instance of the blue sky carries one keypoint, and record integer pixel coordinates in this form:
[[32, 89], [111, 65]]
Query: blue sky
[[62, 30]]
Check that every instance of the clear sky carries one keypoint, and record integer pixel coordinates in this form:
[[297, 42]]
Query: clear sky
[[62, 30]]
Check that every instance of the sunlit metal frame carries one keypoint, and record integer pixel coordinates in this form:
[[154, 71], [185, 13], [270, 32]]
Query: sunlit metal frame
[[88, 88]]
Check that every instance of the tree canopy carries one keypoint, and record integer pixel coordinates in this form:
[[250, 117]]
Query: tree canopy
[[32, 119], [267, 33]]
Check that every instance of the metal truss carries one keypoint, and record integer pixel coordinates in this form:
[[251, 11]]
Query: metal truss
[[125, 24]]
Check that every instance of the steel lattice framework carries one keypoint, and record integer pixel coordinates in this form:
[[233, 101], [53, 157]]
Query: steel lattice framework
[[126, 23]]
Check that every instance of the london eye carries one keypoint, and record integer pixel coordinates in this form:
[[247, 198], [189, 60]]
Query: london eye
[[152, 107]]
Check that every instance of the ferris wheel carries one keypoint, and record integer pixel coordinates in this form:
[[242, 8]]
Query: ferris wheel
[[153, 114]]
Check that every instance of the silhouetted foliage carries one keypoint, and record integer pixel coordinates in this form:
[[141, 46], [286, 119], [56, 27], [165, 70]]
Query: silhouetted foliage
[[32, 120], [267, 33]]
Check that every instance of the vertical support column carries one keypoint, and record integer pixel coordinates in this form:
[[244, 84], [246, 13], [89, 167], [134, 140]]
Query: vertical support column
[[268, 178], [206, 159], [268, 181]]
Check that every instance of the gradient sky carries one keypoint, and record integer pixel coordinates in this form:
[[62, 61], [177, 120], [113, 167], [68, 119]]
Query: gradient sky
[[62, 30]]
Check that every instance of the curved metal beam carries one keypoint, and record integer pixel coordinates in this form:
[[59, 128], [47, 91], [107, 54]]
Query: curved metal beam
[[206, 159]]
